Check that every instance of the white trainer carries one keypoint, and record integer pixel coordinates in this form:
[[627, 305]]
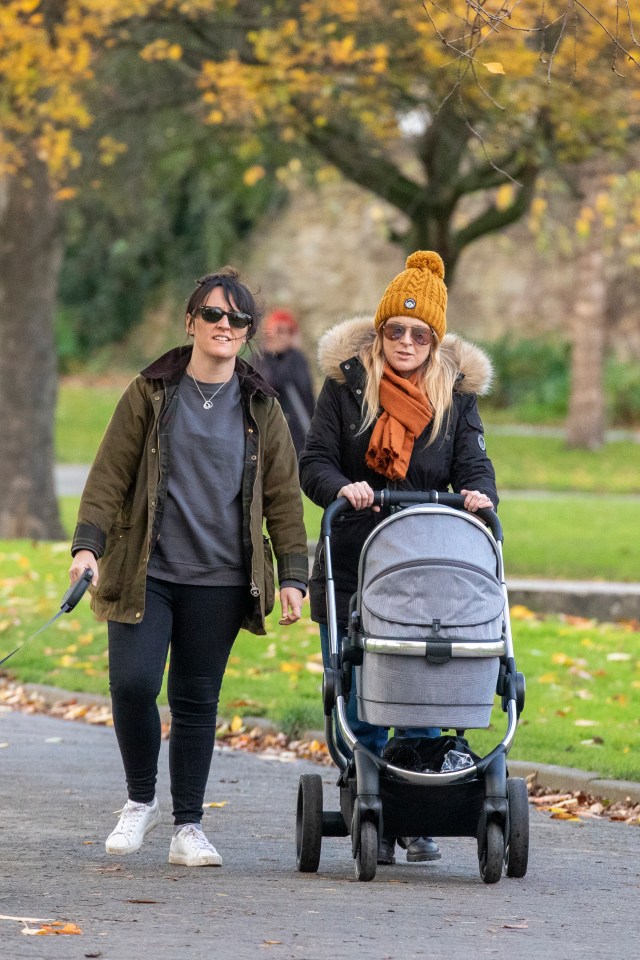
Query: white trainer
[[190, 847], [134, 824]]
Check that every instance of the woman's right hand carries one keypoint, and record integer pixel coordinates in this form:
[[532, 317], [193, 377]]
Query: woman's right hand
[[359, 495], [82, 560]]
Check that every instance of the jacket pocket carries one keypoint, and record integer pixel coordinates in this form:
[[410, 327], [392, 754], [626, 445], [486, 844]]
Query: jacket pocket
[[269, 578], [111, 566], [473, 419]]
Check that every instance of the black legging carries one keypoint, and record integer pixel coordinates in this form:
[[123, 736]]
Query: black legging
[[200, 625]]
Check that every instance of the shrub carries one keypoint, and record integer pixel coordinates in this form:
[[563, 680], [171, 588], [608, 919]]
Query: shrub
[[622, 385], [531, 376]]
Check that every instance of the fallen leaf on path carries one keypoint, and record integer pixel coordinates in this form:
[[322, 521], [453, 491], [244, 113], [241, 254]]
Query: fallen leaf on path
[[216, 803], [550, 798], [57, 927]]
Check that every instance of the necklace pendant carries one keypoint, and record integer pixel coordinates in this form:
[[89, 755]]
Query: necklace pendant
[[207, 405]]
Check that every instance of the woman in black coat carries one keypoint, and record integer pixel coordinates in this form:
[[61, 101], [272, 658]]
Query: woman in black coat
[[397, 410]]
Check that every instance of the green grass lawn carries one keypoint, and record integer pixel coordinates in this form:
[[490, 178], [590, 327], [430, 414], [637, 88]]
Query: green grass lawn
[[545, 463], [82, 414], [583, 678]]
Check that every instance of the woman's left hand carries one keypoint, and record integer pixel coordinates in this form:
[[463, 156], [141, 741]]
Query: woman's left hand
[[474, 500], [291, 602]]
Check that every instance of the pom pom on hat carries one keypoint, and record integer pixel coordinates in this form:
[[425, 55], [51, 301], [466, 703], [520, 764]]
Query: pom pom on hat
[[426, 260], [419, 291]]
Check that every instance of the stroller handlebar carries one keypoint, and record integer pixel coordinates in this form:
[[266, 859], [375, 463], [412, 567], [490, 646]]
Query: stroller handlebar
[[397, 498]]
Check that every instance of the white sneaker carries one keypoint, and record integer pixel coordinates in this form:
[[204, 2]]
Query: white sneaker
[[191, 848], [135, 822]]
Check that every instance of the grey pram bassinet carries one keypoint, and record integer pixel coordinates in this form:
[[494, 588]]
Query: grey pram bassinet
[[430, 620]]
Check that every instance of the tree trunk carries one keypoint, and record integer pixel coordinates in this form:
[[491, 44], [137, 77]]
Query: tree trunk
[[586, 419], [30, 256]]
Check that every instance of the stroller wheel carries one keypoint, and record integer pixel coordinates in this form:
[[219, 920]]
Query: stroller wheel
[[516, 855], [491, 853], [366, 859], [309, 823]]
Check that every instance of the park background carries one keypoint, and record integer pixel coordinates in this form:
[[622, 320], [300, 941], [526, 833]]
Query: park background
[[314, 145]]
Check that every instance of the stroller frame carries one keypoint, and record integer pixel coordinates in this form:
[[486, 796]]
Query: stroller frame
[[479, 800]]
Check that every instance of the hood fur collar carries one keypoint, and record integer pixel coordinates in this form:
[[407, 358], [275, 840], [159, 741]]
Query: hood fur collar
[[349, 337]]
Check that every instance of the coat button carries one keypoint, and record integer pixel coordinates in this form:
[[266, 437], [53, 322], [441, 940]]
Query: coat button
[[250, 430], [138, 615], [153, 449], [347, 366], [153, 503], [448, 436], [358, 392], [157, 397], [352, 426], [254, 457]]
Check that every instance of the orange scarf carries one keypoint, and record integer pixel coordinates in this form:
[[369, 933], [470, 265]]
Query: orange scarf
[[406, 413]]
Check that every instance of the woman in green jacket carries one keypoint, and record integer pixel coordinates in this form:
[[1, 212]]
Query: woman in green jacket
[[196, 456]]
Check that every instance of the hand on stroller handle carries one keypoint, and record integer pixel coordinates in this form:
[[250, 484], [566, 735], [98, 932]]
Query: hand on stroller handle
[[392, 498]]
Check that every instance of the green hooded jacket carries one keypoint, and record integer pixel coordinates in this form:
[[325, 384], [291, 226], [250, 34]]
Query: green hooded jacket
[[123, 500]]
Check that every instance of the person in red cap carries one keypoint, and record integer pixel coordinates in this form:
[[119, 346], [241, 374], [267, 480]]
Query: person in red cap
[[285, 368]]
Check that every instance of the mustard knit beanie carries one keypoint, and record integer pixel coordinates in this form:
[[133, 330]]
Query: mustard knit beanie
[[418, 291]]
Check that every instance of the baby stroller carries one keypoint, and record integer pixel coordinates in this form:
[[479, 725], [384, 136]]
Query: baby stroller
[[430, 643]]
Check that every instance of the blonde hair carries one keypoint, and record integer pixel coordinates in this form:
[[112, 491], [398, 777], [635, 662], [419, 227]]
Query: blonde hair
[[438, 376]]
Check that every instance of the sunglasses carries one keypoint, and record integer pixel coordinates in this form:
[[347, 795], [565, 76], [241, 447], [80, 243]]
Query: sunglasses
[[396, 331], [236, 319]]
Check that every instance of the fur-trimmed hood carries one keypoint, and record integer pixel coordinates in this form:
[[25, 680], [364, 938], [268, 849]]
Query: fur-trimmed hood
[[350, 337]]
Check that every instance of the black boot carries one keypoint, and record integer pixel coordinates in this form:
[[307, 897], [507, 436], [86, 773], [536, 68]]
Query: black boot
[[420, 849], [386, 848]]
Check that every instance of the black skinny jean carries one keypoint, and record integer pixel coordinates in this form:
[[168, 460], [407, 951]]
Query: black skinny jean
[[199, 626]]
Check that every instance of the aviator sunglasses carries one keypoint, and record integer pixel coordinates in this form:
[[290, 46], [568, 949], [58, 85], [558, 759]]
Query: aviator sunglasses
[[396, 331], [236, 319]]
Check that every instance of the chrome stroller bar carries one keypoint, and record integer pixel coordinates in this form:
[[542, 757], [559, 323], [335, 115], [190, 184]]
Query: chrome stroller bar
[[420, 648]]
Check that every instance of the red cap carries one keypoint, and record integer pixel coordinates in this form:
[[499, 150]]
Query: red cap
[[281, 318]]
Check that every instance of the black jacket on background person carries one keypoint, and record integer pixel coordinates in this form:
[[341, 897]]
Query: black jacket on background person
[[334, 452], [288, 374]]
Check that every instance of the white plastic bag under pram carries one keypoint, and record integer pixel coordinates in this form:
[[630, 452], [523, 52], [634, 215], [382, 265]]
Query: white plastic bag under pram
[[429, 575]]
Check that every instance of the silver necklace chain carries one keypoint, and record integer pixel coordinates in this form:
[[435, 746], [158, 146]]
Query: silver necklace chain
[[207, 403]]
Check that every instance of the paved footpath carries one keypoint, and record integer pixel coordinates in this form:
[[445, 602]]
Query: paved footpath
[[61, 782]]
